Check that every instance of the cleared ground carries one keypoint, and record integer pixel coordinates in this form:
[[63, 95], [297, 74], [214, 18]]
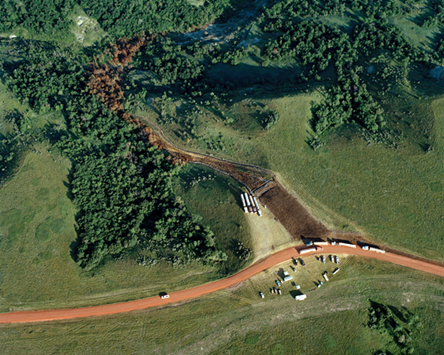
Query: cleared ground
[[292, 215]]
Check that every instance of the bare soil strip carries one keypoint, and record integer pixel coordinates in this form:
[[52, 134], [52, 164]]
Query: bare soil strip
[[179, 296], [292, 215]]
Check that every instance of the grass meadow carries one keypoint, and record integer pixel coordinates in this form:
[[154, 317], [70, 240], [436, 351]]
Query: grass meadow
[[330, 321], [37, 232], [392, 196]]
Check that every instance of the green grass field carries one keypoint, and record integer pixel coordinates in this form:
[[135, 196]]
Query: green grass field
[[37, 229], [391, 196], [237, 321]]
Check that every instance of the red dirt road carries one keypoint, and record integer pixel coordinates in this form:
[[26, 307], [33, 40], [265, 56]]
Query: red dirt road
[[61, 314]]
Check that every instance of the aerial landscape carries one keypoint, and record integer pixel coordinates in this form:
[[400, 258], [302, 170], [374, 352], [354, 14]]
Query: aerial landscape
[[222, 177]]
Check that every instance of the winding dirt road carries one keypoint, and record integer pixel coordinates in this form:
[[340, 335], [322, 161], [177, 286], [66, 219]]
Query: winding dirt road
[[61, 314]]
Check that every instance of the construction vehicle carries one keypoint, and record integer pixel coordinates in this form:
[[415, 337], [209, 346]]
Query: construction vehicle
[[244, 204], [309, 250], [287, 276], [377, 250], [347, 245]]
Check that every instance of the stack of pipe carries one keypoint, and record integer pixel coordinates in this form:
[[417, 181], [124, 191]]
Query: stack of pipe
[[250, 204], [244, 204]]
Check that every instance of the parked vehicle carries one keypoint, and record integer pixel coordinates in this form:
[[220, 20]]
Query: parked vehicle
[[332, 258], [308, 243], [278, 283], [287, 278], [164, 296], [323, 259], [302, 262], [347, 245], [336, 260], [261, 294], [309, 250], [365, 247], [279, 291], [325, 276], [293, 268], [377, 250]]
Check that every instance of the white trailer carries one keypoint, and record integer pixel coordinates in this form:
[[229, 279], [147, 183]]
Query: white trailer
[[300, 297], [247, 200], [321, 243], [243, 203], [325, 276], [309, 250], [257, 206], [335, 271], [347, 245], [377, 250], [253, 204]]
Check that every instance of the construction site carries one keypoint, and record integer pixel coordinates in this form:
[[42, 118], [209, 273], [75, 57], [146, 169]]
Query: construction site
[[263, 188]]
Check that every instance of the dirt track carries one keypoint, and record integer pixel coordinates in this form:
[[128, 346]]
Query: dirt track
[[60, 314]]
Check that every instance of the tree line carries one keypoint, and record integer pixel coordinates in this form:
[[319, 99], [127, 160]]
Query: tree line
[[119, 18], [121, 185]]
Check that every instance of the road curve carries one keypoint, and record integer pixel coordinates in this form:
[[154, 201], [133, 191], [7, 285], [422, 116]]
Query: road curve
[[62, 314]]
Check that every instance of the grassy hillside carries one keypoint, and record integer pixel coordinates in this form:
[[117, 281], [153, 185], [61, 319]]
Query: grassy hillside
[[37, 229]]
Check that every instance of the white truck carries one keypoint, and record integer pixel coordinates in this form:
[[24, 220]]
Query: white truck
[[347, 245], [309, 250], [300, 297]]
